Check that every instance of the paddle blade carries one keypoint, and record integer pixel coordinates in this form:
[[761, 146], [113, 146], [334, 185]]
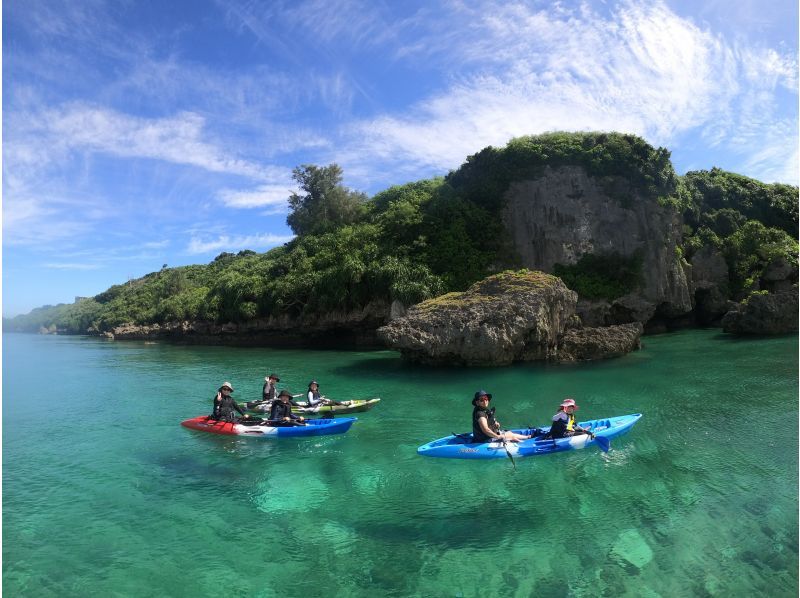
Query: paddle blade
[[603, 442]]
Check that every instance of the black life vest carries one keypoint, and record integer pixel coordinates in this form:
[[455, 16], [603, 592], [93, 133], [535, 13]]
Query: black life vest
[[477, 433], [223, 410]]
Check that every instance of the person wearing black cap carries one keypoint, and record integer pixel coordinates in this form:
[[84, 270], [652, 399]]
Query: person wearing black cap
[[485, 428], [314, 399], [282, 411], [268, 392]]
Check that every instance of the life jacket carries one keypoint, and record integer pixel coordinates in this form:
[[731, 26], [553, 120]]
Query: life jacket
[[223, 411], [280, 410], [561, 428], [478, 434], [315, 398]]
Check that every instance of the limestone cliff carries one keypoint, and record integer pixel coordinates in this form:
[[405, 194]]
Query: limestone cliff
[[565, 214]]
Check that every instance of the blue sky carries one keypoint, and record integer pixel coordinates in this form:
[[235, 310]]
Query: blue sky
[[140, 133]]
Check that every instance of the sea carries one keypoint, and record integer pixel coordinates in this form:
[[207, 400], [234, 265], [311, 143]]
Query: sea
[[106, 494]]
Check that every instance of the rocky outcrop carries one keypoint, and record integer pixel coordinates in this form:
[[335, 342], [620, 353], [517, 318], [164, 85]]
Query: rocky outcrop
[[566, 214], [585, 344], [710, 285], [772, 313], [505, 318], [508, 317], [356, 328]]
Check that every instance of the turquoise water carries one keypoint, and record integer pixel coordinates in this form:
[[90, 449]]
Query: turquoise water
[[104, 494]]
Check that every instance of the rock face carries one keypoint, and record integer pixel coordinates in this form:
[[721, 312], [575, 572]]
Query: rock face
[[334, 329], [775, 313], [710, 284], [584, 344], [508, 317], [504, 318], [566, 213]]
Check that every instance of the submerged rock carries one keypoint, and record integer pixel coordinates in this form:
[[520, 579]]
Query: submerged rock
[[632, 548], [512, 316]]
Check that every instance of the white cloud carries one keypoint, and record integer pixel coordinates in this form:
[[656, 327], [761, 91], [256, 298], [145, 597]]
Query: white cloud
[[265, 195], [235, 243], [71, 266], [179, 139], [641, 70]]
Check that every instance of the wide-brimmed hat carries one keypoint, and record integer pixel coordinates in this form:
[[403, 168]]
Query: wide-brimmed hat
[[284, 393], [227, 385], [275, 376], [569, 403], [481, 393]]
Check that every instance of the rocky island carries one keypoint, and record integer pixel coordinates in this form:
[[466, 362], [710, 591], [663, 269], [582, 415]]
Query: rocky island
[[559, 247]]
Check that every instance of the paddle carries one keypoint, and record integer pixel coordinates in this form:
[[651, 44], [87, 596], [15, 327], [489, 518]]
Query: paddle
[[505, 446], [603, 443]]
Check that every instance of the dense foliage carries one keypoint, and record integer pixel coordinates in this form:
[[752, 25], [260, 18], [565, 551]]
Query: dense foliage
[[415, 241], [752, 224], [602, 276]]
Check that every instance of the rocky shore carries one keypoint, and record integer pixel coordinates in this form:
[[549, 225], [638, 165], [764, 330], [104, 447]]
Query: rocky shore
[[505, 318]]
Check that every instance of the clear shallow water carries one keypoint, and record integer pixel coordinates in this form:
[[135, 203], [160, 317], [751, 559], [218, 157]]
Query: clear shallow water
[[105, 494]]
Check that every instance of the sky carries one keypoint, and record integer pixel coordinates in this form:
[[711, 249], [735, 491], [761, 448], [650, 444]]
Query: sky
[[140, 133]]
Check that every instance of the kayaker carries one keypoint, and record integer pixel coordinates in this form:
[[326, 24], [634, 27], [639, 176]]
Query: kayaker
[[268, 392], [485, 427], [224, 405], [314, 399], [282, 410], [564, 421]]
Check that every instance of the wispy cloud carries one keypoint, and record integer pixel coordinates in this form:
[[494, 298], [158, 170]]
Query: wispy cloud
[[266, 195], [179, 139], [232, 243], [642, 70], [71, 266]]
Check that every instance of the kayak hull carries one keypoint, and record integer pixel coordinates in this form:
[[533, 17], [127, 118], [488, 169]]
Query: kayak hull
[[461, 446], [315, 427], [356, 406]]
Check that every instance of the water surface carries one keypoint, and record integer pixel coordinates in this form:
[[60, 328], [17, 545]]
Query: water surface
[[105, 494]]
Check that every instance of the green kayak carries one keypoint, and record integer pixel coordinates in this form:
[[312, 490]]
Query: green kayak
[[354, 406]]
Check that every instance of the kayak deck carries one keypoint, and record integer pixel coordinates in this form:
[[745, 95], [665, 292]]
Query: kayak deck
[[460, 446], [354, 406], [312, 427]]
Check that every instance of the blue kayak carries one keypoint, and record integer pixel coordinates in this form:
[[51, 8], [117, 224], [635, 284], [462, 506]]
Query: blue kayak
[[312, 427], [460, 446]]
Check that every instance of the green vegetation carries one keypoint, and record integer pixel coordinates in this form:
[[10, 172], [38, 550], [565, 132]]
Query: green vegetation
[[417, 241], [752, 224], [602, 276]]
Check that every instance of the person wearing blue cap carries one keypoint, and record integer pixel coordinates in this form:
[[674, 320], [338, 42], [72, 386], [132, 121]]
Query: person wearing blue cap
[[485, 428]]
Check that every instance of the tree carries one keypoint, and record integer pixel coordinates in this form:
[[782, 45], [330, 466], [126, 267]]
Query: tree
[[326, 204]]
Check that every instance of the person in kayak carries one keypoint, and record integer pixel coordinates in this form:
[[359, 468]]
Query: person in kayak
[[268, 392], [314, 399], [224, 405], [564, 421], [282, 410], [485, 427]]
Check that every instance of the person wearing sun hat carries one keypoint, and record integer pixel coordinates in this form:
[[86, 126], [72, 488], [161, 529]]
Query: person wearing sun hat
[[485, 428], [564, 421], [281, 410], [224, 405]]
